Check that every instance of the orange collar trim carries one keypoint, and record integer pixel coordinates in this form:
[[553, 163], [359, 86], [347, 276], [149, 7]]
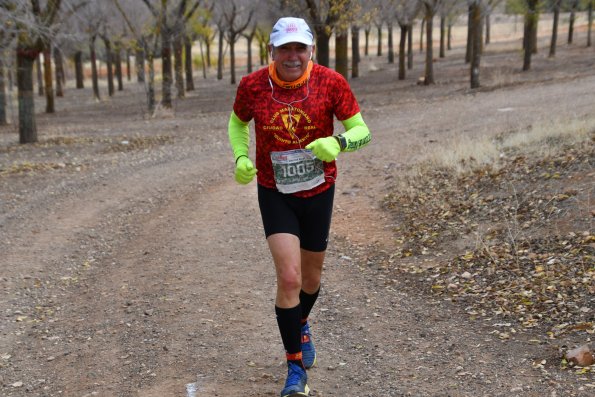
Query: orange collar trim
[[290, 84]]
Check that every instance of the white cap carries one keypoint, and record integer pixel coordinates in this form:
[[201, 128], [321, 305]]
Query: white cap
[[291, 30]]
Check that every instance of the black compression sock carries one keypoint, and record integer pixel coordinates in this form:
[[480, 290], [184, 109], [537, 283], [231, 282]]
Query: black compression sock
[[307, 302], [289, 321]]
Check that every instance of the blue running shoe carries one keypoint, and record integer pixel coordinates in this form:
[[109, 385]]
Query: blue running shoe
[[308, 350], [296, 381]]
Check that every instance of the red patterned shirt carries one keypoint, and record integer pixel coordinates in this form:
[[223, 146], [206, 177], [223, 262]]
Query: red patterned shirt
[[287, 119]]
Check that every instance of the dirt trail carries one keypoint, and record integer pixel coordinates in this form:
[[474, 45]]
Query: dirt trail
[[137, 277]]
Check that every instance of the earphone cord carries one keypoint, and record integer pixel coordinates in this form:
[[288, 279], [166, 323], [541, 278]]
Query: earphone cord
[[290, 108], [290, 118]]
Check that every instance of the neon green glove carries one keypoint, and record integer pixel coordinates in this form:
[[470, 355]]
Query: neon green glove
[[245, 170], [326, 149]]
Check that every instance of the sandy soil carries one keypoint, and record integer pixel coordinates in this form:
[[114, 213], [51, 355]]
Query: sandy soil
[[133, 264]]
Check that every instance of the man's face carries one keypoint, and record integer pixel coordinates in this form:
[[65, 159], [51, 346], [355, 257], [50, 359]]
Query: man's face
[[291, 60]]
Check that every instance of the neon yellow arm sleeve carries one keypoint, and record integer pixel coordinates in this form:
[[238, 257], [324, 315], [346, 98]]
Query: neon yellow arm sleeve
[[356, 135], [239, 136]]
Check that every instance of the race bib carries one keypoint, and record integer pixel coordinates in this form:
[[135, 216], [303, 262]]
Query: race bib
[[297, 170]]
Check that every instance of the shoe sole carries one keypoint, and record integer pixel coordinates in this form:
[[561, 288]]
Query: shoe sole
[[298, 394]]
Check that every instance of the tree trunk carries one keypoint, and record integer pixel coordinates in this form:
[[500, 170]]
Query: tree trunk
[[341, 50], [391, 49], [27, 127], [220, 58], [262, 53], [323, 51], [40, 88], [355, 57], [94, 73], [232, 60], [534, 35], [590, 18], [140, 64], [3, 101], [128, 74], [203, 62], [469, 35], [449, 37], [188, 64], [429, 75], [208, 51], [109, 65], [530, 19], [421, 35], [476, 30], [178, 45], [151, 102], [59, 72], [367, 46], [555, 29], [571, 22], [402, 49], [166, 97], [488, 28], [249, 54], [78, 70], [118, 67], [379, 46], [410, 46], [442, 36], [48, 80]]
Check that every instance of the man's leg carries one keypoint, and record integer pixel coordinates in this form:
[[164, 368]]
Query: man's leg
[[311, 275], [285, 249], [311, 270]]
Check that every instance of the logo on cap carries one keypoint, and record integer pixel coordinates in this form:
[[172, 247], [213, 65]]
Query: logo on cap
[[291, 28]]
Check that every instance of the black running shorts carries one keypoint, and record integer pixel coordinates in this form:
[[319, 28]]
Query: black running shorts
[[307, 218]]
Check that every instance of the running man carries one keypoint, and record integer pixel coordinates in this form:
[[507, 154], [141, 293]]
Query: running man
[[293, 103]]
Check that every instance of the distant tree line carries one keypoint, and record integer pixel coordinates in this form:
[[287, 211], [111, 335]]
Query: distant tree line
[[38, 35]]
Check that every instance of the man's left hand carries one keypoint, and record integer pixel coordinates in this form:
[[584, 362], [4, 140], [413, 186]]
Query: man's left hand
[[326, 149]]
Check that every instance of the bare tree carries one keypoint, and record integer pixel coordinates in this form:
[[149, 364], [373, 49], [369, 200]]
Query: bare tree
[[259, 29], [236, 21], [34, 24], [201, 30], [171, 17], [448, 10], [556, 9], [590, 22], [3, 101], [147, 42], [369, 13], [323, 16], [531, 18], [475, 39], [405, 11], [572, 19], [430, 9], [366, 14], [197, 28], [8, 33], [92, 20], [183, 13], [262, 37]]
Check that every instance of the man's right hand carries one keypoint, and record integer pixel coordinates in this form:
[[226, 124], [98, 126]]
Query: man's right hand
[[245, 170]]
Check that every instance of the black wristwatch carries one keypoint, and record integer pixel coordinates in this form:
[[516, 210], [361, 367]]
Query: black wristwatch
[[342, 141]]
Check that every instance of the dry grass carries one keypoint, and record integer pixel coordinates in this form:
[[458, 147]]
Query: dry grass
[[547, 138]]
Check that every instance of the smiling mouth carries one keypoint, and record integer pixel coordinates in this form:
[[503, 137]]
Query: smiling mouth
[[292, 65]]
